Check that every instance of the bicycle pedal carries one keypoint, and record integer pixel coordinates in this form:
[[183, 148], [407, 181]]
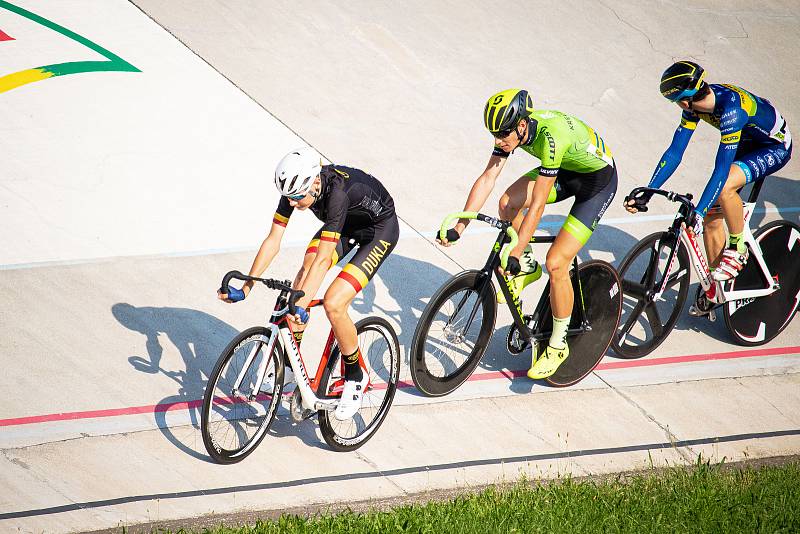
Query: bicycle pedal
[[712, 316]]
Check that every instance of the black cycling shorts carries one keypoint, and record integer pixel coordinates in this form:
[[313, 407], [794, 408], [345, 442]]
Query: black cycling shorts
[[374, 243], [593, 194]]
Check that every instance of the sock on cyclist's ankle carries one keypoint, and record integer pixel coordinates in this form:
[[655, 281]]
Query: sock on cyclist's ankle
[[735, 240], [352, 369], [558, 339]]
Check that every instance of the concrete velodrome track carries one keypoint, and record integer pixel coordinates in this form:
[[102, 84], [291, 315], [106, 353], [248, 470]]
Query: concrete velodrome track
[[138, 142]]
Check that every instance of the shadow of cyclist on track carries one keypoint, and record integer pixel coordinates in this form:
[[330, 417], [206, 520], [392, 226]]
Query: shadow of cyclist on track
[[199, 338], [410, 283]]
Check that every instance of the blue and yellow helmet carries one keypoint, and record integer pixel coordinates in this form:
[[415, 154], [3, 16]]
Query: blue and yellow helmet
[[681, 80]]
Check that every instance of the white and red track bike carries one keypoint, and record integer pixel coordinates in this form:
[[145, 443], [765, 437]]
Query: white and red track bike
[[756, 305]]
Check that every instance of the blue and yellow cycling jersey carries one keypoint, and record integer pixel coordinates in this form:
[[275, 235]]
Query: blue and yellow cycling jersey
[[745, 122]]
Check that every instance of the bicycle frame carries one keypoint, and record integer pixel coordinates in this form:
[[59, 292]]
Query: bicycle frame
[[679, 230], [281, 331], [497, 258], [722, 294]]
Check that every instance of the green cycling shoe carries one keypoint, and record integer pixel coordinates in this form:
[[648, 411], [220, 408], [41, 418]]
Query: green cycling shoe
[[547, 363]]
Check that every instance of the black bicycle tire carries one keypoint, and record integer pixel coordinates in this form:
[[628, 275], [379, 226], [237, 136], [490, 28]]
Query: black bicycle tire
[[425, 382], [643, 246], [227, 353], [326, 427], [602, 298], [764, 307]]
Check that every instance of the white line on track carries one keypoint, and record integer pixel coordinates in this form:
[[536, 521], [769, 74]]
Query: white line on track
[[405, 233]]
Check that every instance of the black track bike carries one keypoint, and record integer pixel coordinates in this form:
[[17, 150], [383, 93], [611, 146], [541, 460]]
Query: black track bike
[[456, 325]]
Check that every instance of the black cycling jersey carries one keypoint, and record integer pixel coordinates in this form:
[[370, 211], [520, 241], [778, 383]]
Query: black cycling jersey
[[350, 200], [356, 211]]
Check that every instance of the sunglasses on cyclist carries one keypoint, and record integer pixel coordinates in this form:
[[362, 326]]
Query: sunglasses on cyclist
[[299, 196], [502, 134]]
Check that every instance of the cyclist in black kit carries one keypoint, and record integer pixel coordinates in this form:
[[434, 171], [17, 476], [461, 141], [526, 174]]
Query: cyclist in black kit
[[356, 211]]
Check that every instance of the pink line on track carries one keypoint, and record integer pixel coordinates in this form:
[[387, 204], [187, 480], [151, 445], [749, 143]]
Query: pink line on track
[[620, 364]]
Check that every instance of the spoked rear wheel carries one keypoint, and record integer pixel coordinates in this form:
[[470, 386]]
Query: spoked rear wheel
[[381, 351], [757, 321], [452, 334], [234, 419], [646, 323], [602, 300]]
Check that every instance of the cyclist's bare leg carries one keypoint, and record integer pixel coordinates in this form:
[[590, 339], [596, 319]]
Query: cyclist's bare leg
[[731, 202], [714, 238], [733, 213], [337, 301], [559, 259], [514, 199]]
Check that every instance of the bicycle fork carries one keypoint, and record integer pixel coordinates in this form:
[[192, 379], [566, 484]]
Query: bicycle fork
[[472, 313], [262, 368]]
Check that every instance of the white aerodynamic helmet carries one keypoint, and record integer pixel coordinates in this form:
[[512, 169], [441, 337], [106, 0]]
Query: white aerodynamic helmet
[[296, 172]]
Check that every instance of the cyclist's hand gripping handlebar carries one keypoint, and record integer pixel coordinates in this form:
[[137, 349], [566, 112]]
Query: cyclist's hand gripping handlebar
[[640, 197], [647, 192], [281, 285], [497, 223], [234, 294]]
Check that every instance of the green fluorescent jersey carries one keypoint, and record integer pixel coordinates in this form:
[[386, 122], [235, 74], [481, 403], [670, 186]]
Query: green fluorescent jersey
[[563, 142]]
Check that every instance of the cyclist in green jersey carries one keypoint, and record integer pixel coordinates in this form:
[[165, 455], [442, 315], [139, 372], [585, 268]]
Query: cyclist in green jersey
[[575, 162]]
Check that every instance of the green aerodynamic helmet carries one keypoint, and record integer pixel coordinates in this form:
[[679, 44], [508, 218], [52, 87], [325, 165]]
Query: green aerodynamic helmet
[[505, 109]]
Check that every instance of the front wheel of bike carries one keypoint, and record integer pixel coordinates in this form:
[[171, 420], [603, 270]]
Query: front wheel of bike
[[601, 296], [453, 333], [234, 418], [758, 320], [381, 352], [645, 323]]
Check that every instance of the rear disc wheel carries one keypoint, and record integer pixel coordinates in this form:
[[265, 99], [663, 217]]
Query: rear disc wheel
[[757, 321]]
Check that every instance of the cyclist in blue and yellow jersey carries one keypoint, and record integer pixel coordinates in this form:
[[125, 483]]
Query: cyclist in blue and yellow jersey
[[754, 143], [356, 211], [576, 162]]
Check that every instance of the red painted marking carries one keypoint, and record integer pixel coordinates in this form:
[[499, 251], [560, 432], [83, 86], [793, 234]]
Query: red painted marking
[[623, 364], [5, 37]]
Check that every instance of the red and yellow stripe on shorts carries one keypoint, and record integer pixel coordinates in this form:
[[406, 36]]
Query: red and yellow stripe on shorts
[[280, 220], [313, 247], [354, 276]]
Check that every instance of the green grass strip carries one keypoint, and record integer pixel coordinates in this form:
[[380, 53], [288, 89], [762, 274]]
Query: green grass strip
[[705, 498]]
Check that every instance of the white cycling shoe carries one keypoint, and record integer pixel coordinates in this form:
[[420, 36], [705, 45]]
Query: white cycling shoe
[[731, 264], [352, 394]]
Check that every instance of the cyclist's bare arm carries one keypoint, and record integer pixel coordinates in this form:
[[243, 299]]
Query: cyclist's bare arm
[[481, 189], [266, 253], [316, 272], [541, 190]]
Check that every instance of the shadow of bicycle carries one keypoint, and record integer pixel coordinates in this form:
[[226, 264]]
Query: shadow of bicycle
[[199, 338]]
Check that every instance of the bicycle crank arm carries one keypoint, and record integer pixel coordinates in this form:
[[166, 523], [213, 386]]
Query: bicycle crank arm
[[327, 405]]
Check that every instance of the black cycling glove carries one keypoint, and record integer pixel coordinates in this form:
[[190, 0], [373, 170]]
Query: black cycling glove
[[513, 266], [639, 202], [452, 236]]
